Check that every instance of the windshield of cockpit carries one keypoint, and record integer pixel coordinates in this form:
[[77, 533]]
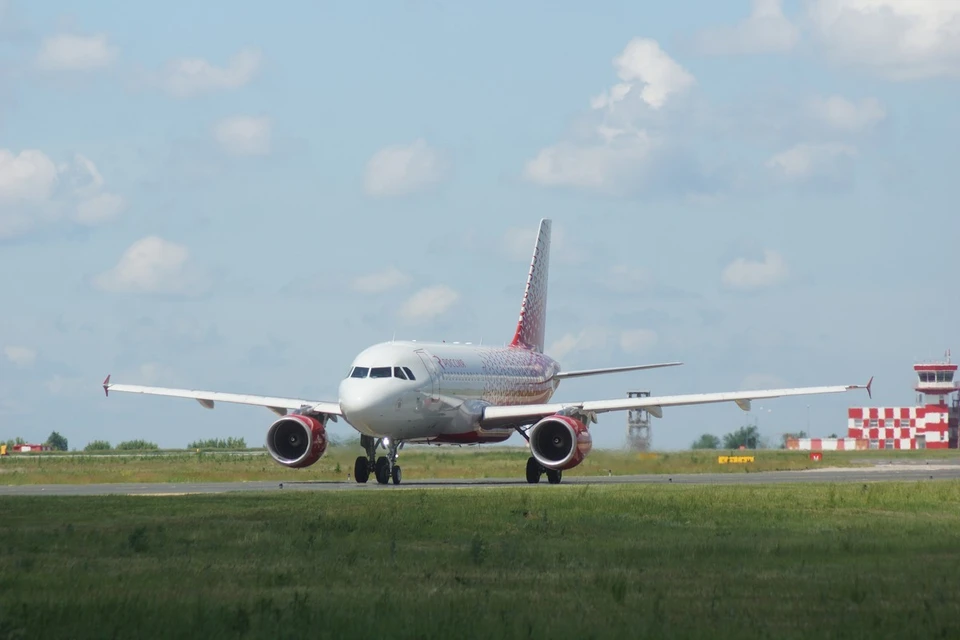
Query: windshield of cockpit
[[403, 373]]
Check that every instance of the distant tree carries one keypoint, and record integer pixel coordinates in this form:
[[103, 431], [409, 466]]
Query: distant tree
[[219, 443], [98, 445], [136, 445], [707, 441], [832, 435], [13, 441], [57, 442], [791, 436], [746, 436]]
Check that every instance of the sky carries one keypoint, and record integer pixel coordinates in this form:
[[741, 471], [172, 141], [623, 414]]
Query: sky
[[241, 196]]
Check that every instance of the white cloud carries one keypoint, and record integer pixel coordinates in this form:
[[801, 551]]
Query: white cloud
[[244, 135], [844, 115], [643, 60], [152, 265], [629, 143], [100, 208], [29, 176], [35, 191], [403, 169], [602, 166], [766, 30], [752, 274], [20, 356], [627, 279], [190, 77], [389, 278], [428, 303], [638, 340], [805, 161], [900, 39], [590, 338], [68, 52]]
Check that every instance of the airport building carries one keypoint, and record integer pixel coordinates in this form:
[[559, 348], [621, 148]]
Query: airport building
[[930, 424]]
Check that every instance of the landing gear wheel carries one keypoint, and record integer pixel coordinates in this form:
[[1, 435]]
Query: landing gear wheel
[[382, 470], [554, 476], [533, 470], [396, 474], [361, 470]]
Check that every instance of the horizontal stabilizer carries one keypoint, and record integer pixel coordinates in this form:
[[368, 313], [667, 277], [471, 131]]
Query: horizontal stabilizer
[[596, 372]]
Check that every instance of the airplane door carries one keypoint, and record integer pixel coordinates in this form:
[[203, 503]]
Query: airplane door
[[434, 374]]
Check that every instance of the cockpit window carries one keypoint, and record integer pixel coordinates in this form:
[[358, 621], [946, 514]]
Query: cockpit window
[[410, 375], [398, 373], [380, 372], [359, 372]]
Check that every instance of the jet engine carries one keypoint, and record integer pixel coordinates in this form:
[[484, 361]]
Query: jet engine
[[559, 442], [297, 441]]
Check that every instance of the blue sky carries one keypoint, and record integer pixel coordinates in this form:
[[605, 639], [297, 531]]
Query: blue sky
[[237, 197]]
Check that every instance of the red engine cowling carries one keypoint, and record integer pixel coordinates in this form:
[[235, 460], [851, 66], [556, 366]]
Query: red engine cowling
[[560, 442], [297, 441]]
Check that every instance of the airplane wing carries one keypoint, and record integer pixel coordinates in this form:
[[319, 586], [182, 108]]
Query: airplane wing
[[208, 398], [594, 372], [502, 415]]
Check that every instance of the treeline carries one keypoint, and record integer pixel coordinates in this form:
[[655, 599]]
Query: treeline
[[55, 441], [219, 443], [747, 437], [129, 445]]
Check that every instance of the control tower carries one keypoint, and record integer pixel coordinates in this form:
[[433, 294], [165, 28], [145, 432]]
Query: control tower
[[935, 385]]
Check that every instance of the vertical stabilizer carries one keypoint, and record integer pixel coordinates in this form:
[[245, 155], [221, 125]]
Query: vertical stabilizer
[[533, 312]]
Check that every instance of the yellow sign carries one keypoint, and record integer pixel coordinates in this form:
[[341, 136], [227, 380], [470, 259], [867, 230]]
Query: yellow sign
[[3, 449], [734, 459]]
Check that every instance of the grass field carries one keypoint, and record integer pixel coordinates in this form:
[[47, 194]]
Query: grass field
[[417, 463], [775, 561]]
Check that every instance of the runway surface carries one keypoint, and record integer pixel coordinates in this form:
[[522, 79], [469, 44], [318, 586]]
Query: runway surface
[[882, 472]]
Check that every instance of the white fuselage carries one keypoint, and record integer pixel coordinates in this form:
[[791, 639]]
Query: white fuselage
[[451, 383]]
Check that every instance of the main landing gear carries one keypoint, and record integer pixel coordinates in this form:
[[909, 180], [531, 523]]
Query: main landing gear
[[384, 468], [535, 470]]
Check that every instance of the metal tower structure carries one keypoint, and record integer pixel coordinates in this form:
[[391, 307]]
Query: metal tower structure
[[638, 424]]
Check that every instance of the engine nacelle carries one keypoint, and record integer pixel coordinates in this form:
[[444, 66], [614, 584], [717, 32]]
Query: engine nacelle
[[297, 441], [560, 442]]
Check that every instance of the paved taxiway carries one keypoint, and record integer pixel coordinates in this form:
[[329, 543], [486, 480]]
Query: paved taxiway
[[899, 472]]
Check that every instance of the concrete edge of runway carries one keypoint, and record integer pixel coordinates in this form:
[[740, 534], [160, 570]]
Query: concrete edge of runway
[[902, 472]]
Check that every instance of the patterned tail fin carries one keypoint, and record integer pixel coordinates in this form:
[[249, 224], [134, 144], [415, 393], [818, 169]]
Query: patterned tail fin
[[533, 312]]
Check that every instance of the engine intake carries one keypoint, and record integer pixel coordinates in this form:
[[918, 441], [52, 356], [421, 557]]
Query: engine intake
[[560, 442], [297, 441]]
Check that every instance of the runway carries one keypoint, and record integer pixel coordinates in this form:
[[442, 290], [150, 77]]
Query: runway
[[884, 472]]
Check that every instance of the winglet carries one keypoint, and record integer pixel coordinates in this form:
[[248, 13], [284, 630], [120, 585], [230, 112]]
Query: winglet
[[864, 386], [106, 386]]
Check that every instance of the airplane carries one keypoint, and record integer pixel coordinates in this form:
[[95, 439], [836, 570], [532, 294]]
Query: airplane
[[401, 392]]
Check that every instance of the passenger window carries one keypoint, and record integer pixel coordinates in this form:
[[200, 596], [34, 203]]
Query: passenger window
[[359, 372], [380, 372], [398, 373], [409, 373]]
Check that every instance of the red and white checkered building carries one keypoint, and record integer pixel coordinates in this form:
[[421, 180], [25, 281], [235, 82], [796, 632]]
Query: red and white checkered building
[[930, 425]]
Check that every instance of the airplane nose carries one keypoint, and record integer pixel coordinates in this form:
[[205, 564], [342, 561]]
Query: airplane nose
[[362, 403]]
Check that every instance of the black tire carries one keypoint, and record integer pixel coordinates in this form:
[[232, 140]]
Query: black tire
[[382, 470], [554, 476], [396, 474], [533, 470], [361, 471]]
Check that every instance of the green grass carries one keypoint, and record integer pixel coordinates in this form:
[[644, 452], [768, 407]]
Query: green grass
[[774, 561], [417, 463]]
